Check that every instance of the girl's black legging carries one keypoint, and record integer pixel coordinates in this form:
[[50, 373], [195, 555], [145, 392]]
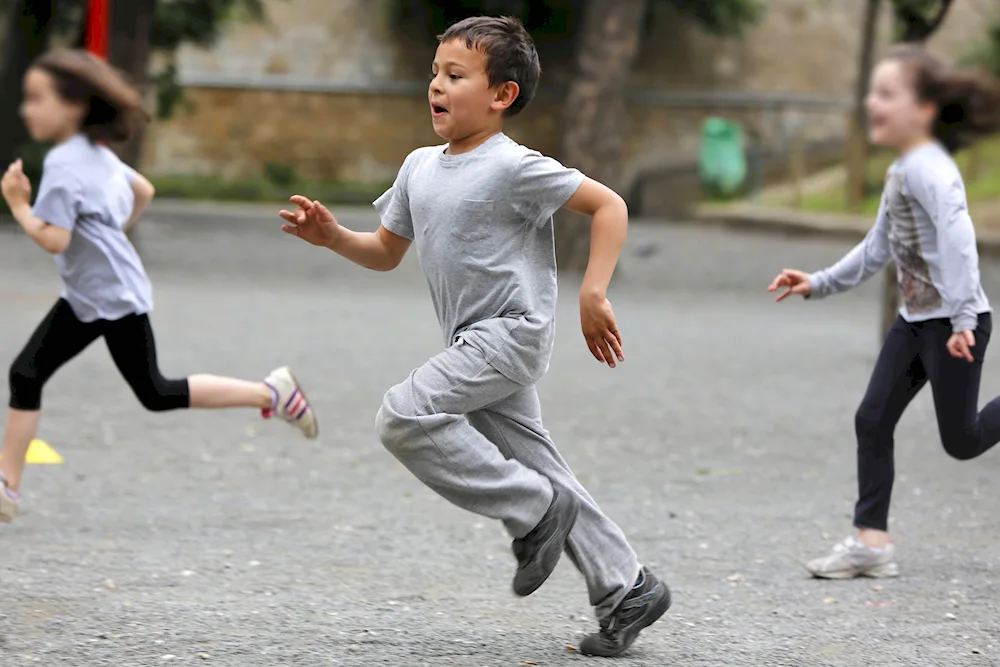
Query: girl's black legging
[[61, 336], [913, 355]]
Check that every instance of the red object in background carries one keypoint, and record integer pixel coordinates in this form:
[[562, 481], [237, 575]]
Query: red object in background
[[97, 27]]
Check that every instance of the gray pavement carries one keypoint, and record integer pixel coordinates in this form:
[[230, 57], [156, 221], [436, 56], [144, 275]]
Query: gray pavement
[[723, 446]]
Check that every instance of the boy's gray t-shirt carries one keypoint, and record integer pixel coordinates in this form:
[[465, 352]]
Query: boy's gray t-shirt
[[86, 189], [481, 222]]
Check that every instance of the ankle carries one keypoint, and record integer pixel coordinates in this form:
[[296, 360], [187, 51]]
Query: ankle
[[873, 539], [268, 397], [11, 489]]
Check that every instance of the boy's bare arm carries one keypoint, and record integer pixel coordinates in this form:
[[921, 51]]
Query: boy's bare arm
[[609, 227], [380, 250], [607, 235]]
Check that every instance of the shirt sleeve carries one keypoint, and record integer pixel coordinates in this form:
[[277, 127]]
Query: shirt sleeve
[[542, 186], [861, 263], [944, 201], [393, 207], [130, 173], [59, 198]]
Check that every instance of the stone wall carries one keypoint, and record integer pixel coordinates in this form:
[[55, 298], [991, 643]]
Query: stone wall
[[334, 88]]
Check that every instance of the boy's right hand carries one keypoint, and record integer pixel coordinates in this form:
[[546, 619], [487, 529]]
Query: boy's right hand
[[794, 282], [312, 222]]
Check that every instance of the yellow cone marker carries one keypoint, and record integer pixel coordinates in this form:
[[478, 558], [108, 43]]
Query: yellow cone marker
[[40, 453]]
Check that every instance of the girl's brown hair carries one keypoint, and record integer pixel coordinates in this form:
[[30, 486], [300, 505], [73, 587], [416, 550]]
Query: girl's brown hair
[[113, 109], [968, 102]]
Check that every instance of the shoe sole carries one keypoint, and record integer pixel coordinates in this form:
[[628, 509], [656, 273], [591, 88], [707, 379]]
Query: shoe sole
[[656, 613], [306, 397], [887, 571], [560, 536]]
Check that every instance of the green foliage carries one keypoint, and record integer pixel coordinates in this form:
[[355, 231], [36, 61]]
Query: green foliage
[[916, 20], [540, 17], [721, 17], [198, 22], [982, 184], [262, 189], [169, 94], [987, 54], [282, 175], [555, 18]]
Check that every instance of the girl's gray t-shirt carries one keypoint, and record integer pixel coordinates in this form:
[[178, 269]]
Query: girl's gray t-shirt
[[923, 225], [481, 223], [86, 189]]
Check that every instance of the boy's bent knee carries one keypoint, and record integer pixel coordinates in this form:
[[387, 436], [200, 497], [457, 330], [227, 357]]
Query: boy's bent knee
[[395, 428]]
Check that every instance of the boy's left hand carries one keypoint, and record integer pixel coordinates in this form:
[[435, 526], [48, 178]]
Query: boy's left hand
[[600, 329], [959, 344], [15, 185]]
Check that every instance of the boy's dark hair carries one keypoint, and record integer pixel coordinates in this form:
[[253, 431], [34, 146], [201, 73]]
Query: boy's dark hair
[[509, 50], [113, 108], [968, 102]]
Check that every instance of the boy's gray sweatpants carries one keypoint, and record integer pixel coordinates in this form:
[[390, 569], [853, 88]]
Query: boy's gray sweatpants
[[476, 438]]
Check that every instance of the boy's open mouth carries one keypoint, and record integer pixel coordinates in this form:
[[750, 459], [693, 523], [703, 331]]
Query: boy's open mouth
[[437, 109]]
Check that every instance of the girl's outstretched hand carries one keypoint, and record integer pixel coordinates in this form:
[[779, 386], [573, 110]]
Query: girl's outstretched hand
[[794, 282]]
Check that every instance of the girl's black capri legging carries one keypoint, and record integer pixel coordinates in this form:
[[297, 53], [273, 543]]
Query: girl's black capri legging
[[61, 336]]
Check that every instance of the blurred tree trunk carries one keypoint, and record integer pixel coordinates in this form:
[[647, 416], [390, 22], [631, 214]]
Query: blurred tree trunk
[[129, 50], [857, 163], [858, 131], [131, 25], [594, 119], [25, 37]]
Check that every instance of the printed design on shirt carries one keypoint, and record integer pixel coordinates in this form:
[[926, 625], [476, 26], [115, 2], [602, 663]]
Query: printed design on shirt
[[916, 288]]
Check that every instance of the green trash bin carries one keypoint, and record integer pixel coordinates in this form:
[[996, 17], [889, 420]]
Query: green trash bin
[[722, 160]]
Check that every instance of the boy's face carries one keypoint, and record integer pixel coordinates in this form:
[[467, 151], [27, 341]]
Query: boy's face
[[462, 102]]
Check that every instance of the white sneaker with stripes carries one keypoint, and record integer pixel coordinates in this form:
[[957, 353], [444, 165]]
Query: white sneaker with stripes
[[291, 403]]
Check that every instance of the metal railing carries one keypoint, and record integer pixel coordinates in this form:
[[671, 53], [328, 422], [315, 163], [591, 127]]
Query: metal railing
[[646, 97]]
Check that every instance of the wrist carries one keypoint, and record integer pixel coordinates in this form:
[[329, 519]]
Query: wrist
[[965, 322], [593, 292], [335, 242], [21, 212]]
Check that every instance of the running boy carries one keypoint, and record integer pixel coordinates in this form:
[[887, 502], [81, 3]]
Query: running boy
[[924, 111], [467, 423], [87, 200]]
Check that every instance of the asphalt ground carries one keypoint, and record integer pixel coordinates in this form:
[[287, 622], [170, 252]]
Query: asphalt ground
[[723, 446]]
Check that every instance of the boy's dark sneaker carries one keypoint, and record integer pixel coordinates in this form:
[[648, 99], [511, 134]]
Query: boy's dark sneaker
[[648, 600], [538, 552]]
